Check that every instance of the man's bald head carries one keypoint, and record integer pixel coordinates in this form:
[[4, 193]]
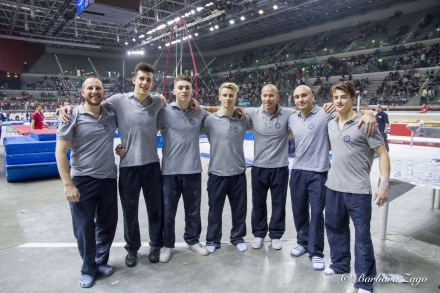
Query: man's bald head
[[303, 97], [271, 86], [302, 88]]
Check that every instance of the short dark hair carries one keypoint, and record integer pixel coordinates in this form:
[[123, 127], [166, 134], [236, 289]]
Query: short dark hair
[[183, 77], [346, 87], [145, 67]]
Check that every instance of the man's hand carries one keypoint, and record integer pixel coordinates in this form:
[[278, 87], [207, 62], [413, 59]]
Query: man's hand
[[72, 193], [380, 197], [163, 98], [370, 123], [194, 104], [240, 111], [120, 151], [329, 108], [65, 114]]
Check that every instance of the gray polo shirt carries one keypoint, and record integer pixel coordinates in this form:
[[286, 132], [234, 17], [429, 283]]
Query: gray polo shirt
[[311, 140], [91, 143], [352, 156], [137, 126], [180, 131], [270, 136], [226, 137]]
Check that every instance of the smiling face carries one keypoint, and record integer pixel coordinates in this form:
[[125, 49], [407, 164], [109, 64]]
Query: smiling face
[[227, 98], [183, 91], [93, 91], [342, 101], [143, 82], [269, 98], [303, 97]]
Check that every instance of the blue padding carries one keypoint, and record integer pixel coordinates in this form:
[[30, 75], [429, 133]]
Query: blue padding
[[31, 158], [26, 144], [9, 123], [159, 141], [42, 136], [249, 135], [30, 171]]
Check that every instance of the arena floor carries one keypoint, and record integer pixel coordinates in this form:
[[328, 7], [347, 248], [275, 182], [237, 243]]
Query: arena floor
[[38, 250]]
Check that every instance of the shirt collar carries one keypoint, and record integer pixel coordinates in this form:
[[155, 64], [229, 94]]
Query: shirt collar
[[220, 114]]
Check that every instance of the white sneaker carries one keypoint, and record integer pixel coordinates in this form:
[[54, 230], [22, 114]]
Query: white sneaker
[[198, 248], [258, 243], [211, 248], [363, 291], [165, 254], [276, 244], [318, 263], [242, 246], [297, 251], [329, 271]]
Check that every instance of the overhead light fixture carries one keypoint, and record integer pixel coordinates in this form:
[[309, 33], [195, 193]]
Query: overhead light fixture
[[160, 47], [211, 29], [216, 27], [141, 52], [134, 40], [275, 7], [126, 43], [242, 18], [261, 11], [196, 34], [231, 21]]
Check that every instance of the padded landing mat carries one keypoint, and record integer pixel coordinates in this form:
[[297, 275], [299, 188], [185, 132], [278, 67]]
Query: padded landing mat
[[26, 144], [30, 171]]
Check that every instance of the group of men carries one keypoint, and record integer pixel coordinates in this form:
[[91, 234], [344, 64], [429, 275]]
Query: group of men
[[139, 115]]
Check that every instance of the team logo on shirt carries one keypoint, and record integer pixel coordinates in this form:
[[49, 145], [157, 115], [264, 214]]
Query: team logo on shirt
[[235, 129], [347, 138], [107, 127], [277, 125], [151, 113], [192, 122], [311, 126]]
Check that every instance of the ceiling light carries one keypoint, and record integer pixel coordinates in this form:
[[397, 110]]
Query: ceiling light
[[275, 7], [196, 34], [231, 21], [211, 29], [242, 18], [261, 11], [160, 47], [216, 27]]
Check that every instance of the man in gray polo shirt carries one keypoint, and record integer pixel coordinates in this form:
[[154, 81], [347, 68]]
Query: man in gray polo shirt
[[309, 172], [349, 189], [90, 185], [137, 114], [227, 169], [181, 167], [270, 167]]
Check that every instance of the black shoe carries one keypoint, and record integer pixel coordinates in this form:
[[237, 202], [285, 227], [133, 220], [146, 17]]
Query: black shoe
[[131, 259], [154, 254]]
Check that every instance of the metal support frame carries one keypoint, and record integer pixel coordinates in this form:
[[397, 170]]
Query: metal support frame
[[196, 74]]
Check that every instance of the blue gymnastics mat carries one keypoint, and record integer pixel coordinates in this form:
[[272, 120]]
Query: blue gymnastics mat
[[43, 134], [26, 144], [31, 158], [30, 171]]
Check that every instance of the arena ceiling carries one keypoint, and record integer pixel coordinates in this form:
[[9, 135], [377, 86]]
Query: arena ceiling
[[53, 22]]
